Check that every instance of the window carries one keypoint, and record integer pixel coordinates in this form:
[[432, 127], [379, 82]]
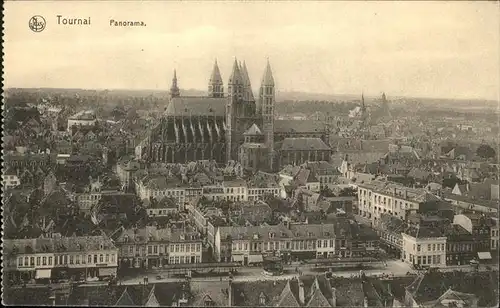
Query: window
[[95, 258], [177, 260], [107, 258], [428, 247], [131, 249], [198, 259], [418, 247], [90, 259], [442, 247], [101, 258], [83, 259], [331, 243], [438, 260], [150, 249], [428, 259], [198, 247], [32, 259], [319, 243], [20, 261], [182, 247], [155, 249], [44, 260], [112, 258], [71, 259], [419, 260], [37, 261], [176, 247], [50, 260], [65, 259], [78, 259]]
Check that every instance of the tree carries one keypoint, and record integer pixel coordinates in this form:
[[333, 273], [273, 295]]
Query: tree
[[348, 192], [485, 151]]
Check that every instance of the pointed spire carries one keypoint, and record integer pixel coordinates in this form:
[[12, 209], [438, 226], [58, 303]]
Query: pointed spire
[[216, 78], [236, 74], [174, 89], [267, 79], [246, 83]]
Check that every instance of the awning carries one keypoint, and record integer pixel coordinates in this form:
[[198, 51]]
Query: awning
[[484, 255], [43, 273], [238, 258], [108, 271], [255, 259]]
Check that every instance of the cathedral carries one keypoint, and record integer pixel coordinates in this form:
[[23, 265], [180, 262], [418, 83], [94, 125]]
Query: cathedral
[[232, 125]]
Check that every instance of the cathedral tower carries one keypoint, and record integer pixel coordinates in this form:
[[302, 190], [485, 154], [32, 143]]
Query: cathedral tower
[[266, 109], [174, 89], [234, 97], [215, 84]]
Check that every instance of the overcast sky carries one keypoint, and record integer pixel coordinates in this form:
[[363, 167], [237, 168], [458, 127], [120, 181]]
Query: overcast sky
[[428, 49]]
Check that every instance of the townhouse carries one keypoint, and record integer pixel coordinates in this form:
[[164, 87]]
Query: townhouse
[[150, 247], [157, 186], [479, 226], [424, 246], [342, 238], [378, 197], [79, 257], [325, 172]]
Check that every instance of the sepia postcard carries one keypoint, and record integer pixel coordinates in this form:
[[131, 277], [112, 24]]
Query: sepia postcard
[[250, 153]]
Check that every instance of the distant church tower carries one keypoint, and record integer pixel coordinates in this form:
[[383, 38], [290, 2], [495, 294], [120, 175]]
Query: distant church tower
[[234, 96], [174, 89], [215, 84], [266, 109]]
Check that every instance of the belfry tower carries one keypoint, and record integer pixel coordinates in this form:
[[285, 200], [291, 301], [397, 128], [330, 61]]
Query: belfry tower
[[215, 84], [266, 109], [234, 97]]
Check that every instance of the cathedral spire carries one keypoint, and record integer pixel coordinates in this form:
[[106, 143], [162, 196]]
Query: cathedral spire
[[246, 83], [235, 77], [215, 84], [267, 79], [174, 89]]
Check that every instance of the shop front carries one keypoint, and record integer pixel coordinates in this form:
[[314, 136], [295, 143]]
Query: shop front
[[255, 259], [105, 272]]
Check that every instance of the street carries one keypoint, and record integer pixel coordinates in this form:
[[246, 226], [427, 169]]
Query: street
[[395, 268]]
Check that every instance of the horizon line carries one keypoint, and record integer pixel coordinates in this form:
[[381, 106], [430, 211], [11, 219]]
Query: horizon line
[[277, 91]]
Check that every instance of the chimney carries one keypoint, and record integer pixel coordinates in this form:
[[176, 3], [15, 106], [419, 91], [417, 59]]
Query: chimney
[[301, 293]]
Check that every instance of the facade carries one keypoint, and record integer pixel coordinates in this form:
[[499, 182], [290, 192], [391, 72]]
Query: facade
[[459, 245], [479, 227], [231, 125], [150, 247], [494, 234], [377, 197], [424, 246], [82, 118], [290, 241], [60, 258], [10, 180]]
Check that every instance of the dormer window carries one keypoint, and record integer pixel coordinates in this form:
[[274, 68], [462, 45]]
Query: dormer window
[[271, 234], [126, 238], [101, 247]]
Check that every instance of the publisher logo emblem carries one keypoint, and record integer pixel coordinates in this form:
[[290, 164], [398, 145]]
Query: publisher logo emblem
[[37, 23]]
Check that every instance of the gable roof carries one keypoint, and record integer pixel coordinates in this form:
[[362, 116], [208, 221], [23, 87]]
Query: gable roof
[[287, 298], [303, 144], [196, 106], [298, 126], [125, 299], [253, 130], [152, 301]]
